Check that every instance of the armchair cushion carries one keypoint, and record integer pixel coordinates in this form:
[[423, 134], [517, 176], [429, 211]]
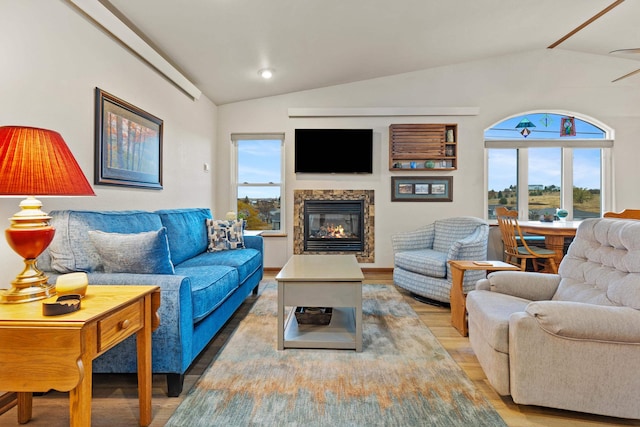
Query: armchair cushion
[[452, 230], [423, 261]]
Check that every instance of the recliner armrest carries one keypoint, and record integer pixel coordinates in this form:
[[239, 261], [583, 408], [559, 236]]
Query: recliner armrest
[[528, 285], [581, 321]]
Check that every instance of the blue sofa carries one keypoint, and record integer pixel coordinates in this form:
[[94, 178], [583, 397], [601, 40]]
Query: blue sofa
[[200, 290]]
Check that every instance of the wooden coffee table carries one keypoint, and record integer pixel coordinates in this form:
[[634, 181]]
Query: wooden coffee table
[[321, 281]]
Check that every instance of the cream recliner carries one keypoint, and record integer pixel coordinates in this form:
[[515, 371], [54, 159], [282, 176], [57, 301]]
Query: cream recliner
[[571, 340]]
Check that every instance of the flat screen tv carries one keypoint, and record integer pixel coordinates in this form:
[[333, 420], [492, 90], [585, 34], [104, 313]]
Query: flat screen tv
[[334, 151]]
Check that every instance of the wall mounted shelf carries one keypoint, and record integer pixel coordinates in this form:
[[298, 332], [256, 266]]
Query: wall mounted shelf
[[423, 147]]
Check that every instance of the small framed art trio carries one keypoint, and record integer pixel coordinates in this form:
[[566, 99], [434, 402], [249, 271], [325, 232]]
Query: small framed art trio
[[422, 189]]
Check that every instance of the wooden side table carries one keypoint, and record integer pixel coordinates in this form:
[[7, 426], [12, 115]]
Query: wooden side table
[[458, 298], [57, 352]]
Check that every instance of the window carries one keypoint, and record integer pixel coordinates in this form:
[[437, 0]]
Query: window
[[561, 160], [258, 179]]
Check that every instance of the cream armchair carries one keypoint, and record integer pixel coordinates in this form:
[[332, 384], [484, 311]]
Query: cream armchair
[[571, 340], [421, 256]]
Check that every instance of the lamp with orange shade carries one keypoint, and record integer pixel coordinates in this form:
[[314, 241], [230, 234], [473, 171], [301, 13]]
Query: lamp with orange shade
[[35, 162]]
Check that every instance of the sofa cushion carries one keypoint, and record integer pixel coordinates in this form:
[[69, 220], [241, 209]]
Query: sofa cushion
[[246, 261], [143, 253], [186, 231], [427, 262], [71, 250], [225, 234], [210, 287]]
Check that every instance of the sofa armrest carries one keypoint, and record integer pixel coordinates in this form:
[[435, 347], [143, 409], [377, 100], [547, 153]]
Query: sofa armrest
[[580, 321], [421, 238], [254, 242], [176, 310], [528, 285]]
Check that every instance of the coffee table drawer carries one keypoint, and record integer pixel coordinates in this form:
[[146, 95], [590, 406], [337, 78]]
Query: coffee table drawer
[[330, 294], [114, 328]]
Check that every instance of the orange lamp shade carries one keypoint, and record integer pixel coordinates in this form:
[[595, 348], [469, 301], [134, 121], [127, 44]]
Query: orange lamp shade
[[37, 162]]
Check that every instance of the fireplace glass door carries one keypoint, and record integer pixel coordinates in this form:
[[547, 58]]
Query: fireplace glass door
[[333, 225]]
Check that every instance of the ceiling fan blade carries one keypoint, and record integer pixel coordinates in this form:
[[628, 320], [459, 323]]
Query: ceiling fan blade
[[626, 75], [634, 50]]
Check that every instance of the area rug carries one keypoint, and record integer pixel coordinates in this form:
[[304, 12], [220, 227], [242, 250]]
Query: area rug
[[403, 376]]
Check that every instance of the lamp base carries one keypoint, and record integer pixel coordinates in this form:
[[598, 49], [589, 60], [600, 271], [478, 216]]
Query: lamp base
[[30, 285], [31, 293], [29, 235]]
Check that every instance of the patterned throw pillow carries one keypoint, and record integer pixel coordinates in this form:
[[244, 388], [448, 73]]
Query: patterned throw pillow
[[225, 235], [142, 253]]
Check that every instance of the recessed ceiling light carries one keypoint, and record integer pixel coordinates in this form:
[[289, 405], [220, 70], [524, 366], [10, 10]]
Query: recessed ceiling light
[[266, 73]]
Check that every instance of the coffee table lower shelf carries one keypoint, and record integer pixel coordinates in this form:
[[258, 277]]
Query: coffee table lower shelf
[[340, 333]]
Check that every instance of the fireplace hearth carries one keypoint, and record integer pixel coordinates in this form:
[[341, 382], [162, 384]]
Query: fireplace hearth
[[334, 222]]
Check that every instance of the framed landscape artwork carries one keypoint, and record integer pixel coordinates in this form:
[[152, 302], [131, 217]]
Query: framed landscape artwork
[[421, 189], [128, 150]]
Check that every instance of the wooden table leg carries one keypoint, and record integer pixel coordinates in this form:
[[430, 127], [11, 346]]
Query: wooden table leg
[[143, 345], [25, 405], [80, 397], [458, 301], [556, 244]]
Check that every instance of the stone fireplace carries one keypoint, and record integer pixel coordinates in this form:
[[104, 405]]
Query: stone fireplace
[[334, 222]]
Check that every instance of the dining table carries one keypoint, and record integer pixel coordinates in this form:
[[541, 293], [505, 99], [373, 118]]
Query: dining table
[[554, 233]]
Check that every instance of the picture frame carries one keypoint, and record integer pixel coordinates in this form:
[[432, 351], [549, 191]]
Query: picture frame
[[422, 189], [128, 144]]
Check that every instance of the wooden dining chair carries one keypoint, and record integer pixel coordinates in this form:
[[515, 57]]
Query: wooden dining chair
[[625, 214], [516, 249]]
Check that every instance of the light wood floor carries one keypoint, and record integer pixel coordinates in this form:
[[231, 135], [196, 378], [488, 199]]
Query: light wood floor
[[115, 396]]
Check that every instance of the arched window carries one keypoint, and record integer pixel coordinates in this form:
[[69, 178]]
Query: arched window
[[562, 161]]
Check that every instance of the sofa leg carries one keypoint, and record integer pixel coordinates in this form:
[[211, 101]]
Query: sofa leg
[[174, 384], [255, 290]]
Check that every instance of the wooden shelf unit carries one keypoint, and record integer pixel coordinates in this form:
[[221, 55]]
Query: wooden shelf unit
[[425, 144]]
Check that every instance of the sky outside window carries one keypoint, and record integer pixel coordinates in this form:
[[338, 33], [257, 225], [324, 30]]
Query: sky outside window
[[259, 163]]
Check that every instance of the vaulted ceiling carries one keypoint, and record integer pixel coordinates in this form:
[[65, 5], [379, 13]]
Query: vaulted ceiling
[[220, 45]]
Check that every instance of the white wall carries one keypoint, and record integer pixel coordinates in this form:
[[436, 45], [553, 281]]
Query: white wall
[[499, 87], [52, 60]]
